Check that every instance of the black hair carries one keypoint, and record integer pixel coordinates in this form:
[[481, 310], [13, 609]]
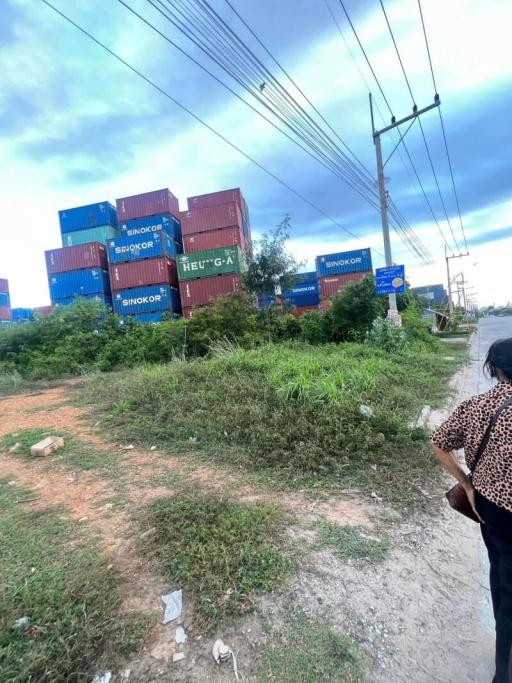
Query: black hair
[[499, 357]]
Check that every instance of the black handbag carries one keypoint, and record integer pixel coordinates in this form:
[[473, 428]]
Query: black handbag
[[457, 496]]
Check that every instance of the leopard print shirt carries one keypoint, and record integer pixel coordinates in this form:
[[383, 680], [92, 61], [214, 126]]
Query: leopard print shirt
[[466, 427]]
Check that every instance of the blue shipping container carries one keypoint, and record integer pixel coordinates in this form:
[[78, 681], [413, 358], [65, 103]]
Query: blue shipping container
[[147, 300], [22, 315], [306, 278], [144, 226], [303, 295], [90, 216], [149, 318], [78, 283], [5, 300], [105, 299], [266, 300], [357, 261], [101, 233], [137, 247]]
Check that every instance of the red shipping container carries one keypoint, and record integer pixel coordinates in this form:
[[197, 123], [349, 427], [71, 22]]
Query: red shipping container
[[202, 201], [147, 204], [43, 310], [90, 255], [324, 305], [5, 313], [299, 310], [201, 292], [153, 271], [4, 286], [214, 239], [211, 218], [329, 286]]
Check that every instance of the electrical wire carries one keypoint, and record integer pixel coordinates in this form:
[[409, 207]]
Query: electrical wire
[[421, 125], [442, 126], [196, 117]]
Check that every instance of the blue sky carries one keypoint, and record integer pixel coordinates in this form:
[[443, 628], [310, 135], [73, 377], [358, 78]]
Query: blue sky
[[78, 127]]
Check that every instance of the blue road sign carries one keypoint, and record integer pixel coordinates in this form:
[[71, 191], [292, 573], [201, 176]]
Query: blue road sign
[[390, 280]]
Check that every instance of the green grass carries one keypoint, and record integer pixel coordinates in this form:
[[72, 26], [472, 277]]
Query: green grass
[[219, 551], [12, 383], [352, 543], [308, 651], [75, 454], [54, 572], [290, 413]]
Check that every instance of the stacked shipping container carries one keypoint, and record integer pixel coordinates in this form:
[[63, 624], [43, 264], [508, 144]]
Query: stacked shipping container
[[5, 303], [142, 259], [216, 236], [335, 271], [304, 295]]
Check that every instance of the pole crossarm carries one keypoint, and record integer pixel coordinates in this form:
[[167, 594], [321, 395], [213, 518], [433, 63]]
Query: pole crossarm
[[416, 112], [400, 141]]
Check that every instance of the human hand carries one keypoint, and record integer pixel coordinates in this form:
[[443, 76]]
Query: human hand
[[470, 492]]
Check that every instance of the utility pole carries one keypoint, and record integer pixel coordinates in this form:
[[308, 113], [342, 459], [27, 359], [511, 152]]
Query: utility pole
[[393, 310], [450, 302]]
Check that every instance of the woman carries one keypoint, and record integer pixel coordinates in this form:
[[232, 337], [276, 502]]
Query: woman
[[489, 488]]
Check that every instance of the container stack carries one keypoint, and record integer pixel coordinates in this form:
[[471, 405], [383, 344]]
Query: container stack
[[5, 303], [304, 295], [207, 275], [216, 220], [335, 271], [43, 310], [85, 224], [78, 272], [142, 259]]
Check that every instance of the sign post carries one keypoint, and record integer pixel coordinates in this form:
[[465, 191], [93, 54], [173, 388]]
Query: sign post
[[390, 280]]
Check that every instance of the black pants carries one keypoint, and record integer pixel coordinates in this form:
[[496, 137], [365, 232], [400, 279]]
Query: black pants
[[497, 535]]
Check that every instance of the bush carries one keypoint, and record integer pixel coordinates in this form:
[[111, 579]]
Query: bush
[[387, 335]]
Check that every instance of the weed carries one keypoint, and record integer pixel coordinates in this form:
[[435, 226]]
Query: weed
[[218, 550], [350, 542], [308, 651], [54, 573], [290, 412]]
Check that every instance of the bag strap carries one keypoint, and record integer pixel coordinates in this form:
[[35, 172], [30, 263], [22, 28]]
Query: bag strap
[[488, 431]]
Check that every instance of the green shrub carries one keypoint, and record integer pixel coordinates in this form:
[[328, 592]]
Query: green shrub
[[387, 335]]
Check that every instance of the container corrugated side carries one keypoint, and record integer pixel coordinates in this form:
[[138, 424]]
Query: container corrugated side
[[5, 313], [147, 204], [214, 239], [22, 314], [329, 286], [5, 300], [134, 248], [148, 224], [147, 300], [4, 285], [201, 292], [101, 234], [358, 260], [78, 283], [104, 299], [231, 196], [150, 318], [306, 278], [300, 310], [206, 264], [89, 255], [157, 271], [211, 218], [43, 310], [303, 295], [90, 216]]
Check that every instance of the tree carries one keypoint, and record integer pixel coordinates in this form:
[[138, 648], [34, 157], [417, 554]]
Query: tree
[[353, 311], [272, 266]]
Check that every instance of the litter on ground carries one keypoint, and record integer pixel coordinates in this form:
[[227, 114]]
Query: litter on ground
[[173, 606]]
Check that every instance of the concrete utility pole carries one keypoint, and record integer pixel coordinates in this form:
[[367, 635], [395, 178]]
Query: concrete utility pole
[[450, 301], [393, 310]]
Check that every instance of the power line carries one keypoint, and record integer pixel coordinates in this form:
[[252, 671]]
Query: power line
[[414, 237], [195, 116], [421, 124], [392, 118], [442, 126]]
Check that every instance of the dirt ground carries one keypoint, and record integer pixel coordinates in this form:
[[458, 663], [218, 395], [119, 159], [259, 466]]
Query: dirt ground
[[421, 615]]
